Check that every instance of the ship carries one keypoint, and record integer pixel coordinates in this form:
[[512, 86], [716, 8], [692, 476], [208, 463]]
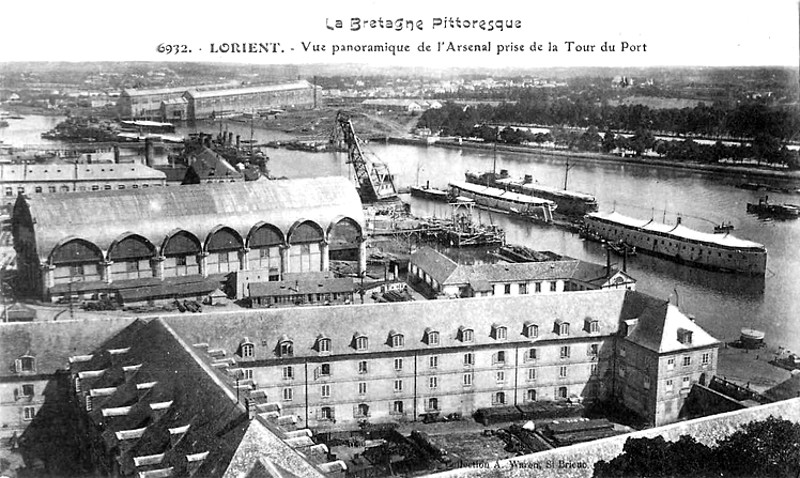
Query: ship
[[765, 208], [570, 203], [508, 202], [676, 242]]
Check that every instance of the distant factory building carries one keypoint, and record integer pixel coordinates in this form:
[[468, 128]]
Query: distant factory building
[[154, 102], [89, 244], [36, 179], [220, 103], [410, 106]]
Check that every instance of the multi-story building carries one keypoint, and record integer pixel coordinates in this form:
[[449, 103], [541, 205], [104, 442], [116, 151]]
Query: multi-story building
[[86, 244], [216, 103], [444, 276], [398, 361], [35, 179]]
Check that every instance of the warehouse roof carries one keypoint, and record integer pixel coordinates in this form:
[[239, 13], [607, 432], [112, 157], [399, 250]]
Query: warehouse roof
[[102, 217], [295, 287], [77, 172], [341, 324], [297, 85]]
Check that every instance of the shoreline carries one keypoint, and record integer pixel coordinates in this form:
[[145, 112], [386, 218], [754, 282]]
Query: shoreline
[[743, 172]]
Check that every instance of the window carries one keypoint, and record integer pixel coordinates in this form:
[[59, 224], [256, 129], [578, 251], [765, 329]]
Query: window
[[95, 187], [222, 257], [499, 398], [500, 376], [531, 395], [247, 373], [564, 351], [670, 364], [507, 289], [531, 355], [593, 326], [593, 369], [593, 349], [362, 343], [687, 381], [553, 286], [288, 394], [107, 187], [398, 385], [397, 340], [132, 266], [668, 386], [26, 364], [180, 260], [397, 407], [27, 390], [433, 361], [288, 373], [76, 270], [706, 359], [467, 380], [467, 335], [362, 366], [287, 348], [469, 359], [561, 392], [531, 331], [563, 328], [28, 413], [9, 192], [362, 410], [65, 189], [432, 404], [398, 364], [523, 288], [52, 189], [433, 382], [325, 391], [500, 357], [687, 360], [37, 189], [531, 374], [325, 369], [562, 372], [88, 403], [646, 382], [362, 388], [500, 332], [537, 287], [324, 345], [326, 413], [433, 338]]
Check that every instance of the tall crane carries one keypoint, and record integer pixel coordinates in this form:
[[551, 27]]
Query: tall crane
[[374, 180]]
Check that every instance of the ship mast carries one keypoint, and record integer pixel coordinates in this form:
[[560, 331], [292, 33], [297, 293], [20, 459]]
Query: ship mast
[[566, 174]]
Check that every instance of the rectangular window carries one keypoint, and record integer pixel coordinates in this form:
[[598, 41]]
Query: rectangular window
[[531, 355], [433, 382], [565, 351], [552, 287], [687, 360], [706, 359], [670, 364], [467, 379], [248, 373], [531, 395], [523, 288], [623, 352], [537, 287], [398, 385], [531, 374], [362, 388], [9, 192], [38, 189], [562, 372], [27, 390], [593, 369], [668, 386], [325, 391], [469, 359], [325, 369], [288, 373], [593, 349], [398, 364], [500, 376], [433, 361], [507, 289], [28, 413], [646, 382], [500, 357], [288, 394], [362, 366], [52, 189]]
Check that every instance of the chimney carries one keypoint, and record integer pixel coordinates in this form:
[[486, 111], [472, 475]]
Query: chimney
[[238, 141], [116, 153], [230, 138], [250, 403], [528, 179], [679, 220], [148, 152]]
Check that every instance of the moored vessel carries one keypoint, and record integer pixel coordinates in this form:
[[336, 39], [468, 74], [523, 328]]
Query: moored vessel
[[766, 208], [514, 204], [679, 243]]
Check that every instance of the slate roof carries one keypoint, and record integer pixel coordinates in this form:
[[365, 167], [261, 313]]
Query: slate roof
[[297, 85], [657, 329], [104, 216], [52, 343], [78, 172], [292, 287], [435, 264], [342, 323], [208, 165]]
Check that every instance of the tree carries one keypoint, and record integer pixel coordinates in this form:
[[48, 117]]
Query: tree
[[609, 142]]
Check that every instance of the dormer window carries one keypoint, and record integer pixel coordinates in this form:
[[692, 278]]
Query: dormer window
[[562, 328], [531, 330], [248, 350], [499, 332], [591, 325], [431, 337], [361, 342], [286, 348], [26, 364], [467, 335], [323, 344], [396, 339], [685, 336]]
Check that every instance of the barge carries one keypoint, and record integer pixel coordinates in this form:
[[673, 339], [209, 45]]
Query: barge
[[500, 200], [722, 252], [765, 208], [570, 203]]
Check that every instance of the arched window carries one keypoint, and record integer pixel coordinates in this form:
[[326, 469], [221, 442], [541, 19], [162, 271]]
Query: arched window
[[362, 410], [323, 344], [531, 330], [467, 335], [326, 413], [26, 364], [499, 398], [432, 337], [286, 348], [396, 339], [361, 342], [248, 349], [499, 332]]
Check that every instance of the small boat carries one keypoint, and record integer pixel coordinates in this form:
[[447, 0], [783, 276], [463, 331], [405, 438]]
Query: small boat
[[765, 208], [725, 227], [427, 192]]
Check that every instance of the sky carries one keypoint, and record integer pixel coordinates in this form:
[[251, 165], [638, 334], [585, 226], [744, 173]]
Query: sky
[[657, 33]]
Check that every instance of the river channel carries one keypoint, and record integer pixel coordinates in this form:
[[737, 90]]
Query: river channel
[[722, 303]]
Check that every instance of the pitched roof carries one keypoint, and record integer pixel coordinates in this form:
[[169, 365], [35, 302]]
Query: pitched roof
[[294, 287], [437, 265], [658, 325], [210, 165], [341, 323], [297, 85], [103, 216], [78, 172]]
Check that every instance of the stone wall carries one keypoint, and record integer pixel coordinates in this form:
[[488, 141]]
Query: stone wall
[[578, 460]]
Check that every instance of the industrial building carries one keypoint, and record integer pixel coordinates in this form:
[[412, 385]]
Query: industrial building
[[37, 179], [86, 244]]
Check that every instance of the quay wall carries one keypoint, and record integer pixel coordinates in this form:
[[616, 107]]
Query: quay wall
[[579, 460]]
